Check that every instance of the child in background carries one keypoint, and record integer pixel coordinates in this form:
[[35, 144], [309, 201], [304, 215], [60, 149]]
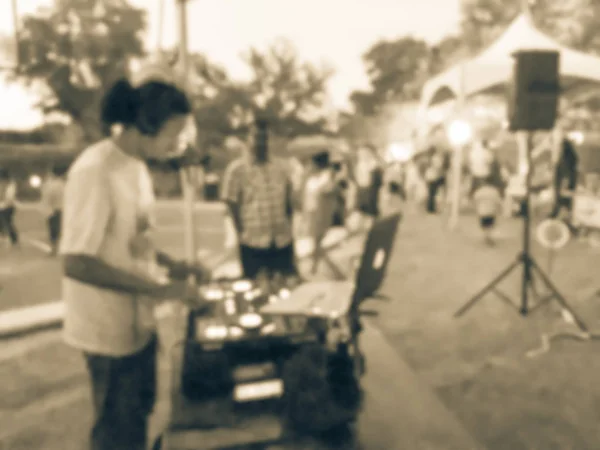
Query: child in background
[[488, 203]]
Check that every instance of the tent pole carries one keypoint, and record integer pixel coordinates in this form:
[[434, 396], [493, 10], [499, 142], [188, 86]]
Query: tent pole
[[459, 152], [161, 22], [15, 14]]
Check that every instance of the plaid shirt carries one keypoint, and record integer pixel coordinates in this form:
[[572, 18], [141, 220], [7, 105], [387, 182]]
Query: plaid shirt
[[262, 192]]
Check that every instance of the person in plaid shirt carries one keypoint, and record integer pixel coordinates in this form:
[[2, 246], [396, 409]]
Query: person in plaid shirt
[[258, 190]]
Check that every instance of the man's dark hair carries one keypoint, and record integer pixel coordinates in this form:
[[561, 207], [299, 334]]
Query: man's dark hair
[[147, 107]]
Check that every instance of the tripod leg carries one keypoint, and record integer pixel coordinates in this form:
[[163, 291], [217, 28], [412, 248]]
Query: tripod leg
[[488, 288], [559, 297]]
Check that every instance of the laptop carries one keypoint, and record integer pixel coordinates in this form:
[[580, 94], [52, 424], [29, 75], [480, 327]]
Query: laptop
[[336, 298]]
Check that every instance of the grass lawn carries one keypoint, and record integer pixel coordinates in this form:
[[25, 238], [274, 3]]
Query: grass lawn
[[44, 395], [477, 363]]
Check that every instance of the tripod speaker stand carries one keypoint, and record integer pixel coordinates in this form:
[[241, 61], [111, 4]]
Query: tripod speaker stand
[[531, 269]]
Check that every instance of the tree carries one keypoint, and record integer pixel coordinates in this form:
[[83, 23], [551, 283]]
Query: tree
[[217, 102], [396, 70], [445, 53], [77, 49], [572, 22], [290, 93]]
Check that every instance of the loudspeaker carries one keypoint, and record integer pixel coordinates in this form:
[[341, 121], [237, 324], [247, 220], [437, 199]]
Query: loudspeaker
[[534, 91]]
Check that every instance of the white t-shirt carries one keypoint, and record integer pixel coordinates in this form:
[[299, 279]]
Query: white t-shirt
[[52, 194], [107, 210], [8, 194], [315, 186], [480, 162], [488, 201], [363, 172]]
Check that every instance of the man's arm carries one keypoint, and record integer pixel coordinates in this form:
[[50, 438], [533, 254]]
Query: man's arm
[[90, 270], [87, 213]]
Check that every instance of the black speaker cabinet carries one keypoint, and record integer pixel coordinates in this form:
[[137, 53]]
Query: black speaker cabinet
[[534, 91]]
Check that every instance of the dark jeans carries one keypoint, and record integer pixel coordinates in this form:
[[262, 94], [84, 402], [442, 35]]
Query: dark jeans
[[124, 393], [433, 188], [54, 226], [7, 224], [273, 260]]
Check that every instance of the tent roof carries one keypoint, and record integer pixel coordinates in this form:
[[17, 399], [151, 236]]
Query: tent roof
[[492, 68]]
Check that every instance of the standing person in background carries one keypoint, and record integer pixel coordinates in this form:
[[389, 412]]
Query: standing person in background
[[488, 203], [319, 205], [368, 174], [484, 167], [414, 183], [297, 179], [394, 193], [340, 176], [565, 178], [258, 190], [52, 200], [435, 177], [8, 202]]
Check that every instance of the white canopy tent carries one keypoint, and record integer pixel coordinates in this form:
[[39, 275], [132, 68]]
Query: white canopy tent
[[490, 71]]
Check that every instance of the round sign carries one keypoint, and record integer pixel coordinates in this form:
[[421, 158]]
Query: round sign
[[379, 259], [553, 234]]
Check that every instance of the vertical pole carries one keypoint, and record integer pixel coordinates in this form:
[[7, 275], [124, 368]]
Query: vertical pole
[[161, 23], [526, 229], [15, 14], [186, 174], [458, 154]]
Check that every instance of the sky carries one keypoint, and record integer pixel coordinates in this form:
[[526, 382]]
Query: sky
[[337, 32]]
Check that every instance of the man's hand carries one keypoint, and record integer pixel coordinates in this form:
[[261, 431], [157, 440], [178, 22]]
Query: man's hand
[[201, 272], [180, 270], [181, 291]]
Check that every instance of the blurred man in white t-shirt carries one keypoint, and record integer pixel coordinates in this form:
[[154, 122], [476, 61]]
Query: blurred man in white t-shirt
[[110, 287]]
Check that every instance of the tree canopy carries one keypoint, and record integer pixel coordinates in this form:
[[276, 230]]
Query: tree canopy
[[77, 49], [398, 69]]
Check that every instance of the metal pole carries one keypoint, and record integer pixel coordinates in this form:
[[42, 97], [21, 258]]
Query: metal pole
[[526, 257], [161, 22], [458, 154], [15, 13], [186, 174]]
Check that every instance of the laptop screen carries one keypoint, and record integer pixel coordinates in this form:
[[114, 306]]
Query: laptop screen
[[376, 256]]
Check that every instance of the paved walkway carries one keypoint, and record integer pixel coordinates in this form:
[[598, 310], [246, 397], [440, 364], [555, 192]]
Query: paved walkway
[[44, 401]]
